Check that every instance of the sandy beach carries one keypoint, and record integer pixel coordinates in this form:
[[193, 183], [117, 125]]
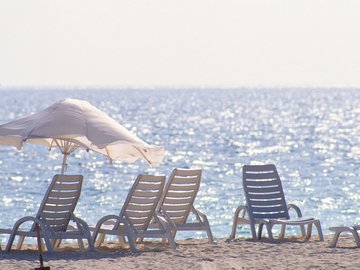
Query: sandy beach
[[198, 254]]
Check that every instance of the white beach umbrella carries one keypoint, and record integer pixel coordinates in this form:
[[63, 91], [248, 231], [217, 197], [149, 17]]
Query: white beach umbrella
[[70, 124]]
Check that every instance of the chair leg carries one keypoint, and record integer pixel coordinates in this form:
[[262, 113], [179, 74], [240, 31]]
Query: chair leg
[[282, 232], [130, 236], [269, 229], [253, 230], [318, 227], [10, 242], [121, 239], [338, 232], [171, 240], [57, 243], [356, 237], [335, 239], [303, 232], [20, 242], [209, 234], [234, 226], [87, 235], [81, 244], [100, 239], [48, 244], [261, 225], [308, 233]]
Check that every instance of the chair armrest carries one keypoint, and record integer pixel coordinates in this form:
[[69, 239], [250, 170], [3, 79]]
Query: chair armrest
[[241, 211], [164, 222], [106, 218], [45, 229], [80, 223], [161, 213], [239, 218], [200, 216], [296, 208]]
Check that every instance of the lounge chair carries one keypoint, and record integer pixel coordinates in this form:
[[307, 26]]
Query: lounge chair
[[136, 214], [340, 229], [177, 202], [266, 205], [54, 215]]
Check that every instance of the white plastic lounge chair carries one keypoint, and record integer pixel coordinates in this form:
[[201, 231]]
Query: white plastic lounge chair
[[136, 214], [177, 202], [54, 215], [340, 229], [266, 205]]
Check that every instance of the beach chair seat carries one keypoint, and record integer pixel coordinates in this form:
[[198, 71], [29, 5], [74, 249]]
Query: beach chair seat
[[345, 229], [177, 202], [266, 205], [135, 216], [54, 216]]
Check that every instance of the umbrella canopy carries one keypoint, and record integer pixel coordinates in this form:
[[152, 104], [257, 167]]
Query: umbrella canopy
[[70, 124]]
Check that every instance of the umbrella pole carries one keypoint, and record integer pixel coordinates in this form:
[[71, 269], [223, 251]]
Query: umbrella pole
[[63, 168]]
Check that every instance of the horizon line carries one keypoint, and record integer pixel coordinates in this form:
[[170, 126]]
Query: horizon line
[[170, 87]]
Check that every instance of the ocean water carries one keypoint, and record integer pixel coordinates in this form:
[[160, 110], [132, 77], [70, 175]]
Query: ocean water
[[311, 135]]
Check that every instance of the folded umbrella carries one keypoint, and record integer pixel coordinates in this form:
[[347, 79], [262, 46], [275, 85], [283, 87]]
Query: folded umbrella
[[72, 123]]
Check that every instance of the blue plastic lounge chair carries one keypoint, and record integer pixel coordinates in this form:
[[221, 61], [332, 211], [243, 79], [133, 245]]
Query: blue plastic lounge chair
[[266, 205]]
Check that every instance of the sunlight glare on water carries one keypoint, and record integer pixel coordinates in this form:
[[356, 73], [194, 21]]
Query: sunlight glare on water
[[311, 135]]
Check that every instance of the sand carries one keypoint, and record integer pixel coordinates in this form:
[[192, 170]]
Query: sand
[[197, 254]]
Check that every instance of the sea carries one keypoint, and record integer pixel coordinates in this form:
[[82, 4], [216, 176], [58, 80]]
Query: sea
[[311, 135]]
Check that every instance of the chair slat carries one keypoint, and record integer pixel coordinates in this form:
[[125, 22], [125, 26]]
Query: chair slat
[[140, 207], [179, 194], [174, 213], [66, 186], [148, 186], [152, 178], [139, 220], [57, 208], [60, 201], [144, 194], [185, 180], [263, 190], [138, 214], [271, 209], [261, 183], [56, 214], [143, 200], [260, 176], [178, 200], [56, 222], [176, 207], [182, 187], [270, 215], [278, 201], [187, 172], [271, 196], [57, 194], [258, 168]]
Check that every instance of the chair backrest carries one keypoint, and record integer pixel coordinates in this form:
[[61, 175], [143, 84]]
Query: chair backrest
[[142, 200], [60, 201], [180, 193], [263, 191]]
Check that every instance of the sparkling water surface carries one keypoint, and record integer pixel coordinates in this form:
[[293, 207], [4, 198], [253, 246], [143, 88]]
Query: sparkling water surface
[[311, 135]]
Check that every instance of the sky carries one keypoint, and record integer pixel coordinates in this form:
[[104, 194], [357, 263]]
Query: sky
[[168, 43]]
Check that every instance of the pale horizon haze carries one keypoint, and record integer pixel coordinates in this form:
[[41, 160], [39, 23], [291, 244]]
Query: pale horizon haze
[[198, 43]]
